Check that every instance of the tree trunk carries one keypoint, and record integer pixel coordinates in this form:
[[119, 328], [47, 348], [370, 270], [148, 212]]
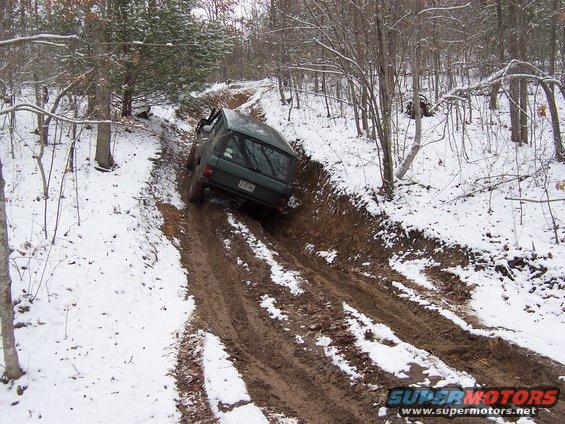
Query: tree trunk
[[325, 93], [515, 83], [127, 99], [559, 151], [493, 98], [364, 107], [90, 102], [562, 49], [103, 155], [295, 86], [11, 362], [127, 102], [522, 50], [39, 101], [71, 161], [415, 65], [553, 36], [355, 108], [385, 92]]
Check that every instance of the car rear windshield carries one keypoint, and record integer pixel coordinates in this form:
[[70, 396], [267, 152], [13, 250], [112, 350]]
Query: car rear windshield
[[257, 156]]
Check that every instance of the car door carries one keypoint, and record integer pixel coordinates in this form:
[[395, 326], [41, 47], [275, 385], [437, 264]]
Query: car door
[[208, 141]]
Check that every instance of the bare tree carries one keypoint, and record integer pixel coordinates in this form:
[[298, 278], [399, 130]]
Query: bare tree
[[416, 109], [103, 155], [11, 362], [518, 88]]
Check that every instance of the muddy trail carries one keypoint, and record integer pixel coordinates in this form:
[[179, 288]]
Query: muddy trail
[[308, 332]]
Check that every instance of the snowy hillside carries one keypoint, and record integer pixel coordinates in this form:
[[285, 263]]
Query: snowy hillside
[[459, 191], [98, 291]]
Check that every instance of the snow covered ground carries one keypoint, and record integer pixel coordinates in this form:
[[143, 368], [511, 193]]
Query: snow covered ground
[[225, 387], [100, 290], [446, 195], [100, 296], [393, 355]]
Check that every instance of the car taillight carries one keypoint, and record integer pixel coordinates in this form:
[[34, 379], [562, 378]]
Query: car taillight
[[282, 203], [208, 171]]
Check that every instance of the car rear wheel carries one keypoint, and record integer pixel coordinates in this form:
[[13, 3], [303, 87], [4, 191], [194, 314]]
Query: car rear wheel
[[195, 188]]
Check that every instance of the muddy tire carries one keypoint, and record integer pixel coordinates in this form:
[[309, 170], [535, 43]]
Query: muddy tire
[[195, 188], [191, 161]]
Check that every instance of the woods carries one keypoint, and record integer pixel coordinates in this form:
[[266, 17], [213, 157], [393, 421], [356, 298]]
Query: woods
[[378, 203], [366, 52], [91, 57]]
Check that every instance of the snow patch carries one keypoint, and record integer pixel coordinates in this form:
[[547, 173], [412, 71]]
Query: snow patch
[[279, 275], [337, 359], [241, 263], [413, 269], [224, 385], [328, 255], [268, 303], [394, 356]]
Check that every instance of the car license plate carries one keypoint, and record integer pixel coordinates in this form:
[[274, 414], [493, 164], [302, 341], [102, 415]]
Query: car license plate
[[246, 185]]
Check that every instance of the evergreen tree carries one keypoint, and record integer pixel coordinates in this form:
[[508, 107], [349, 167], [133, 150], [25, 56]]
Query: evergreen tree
[[162, 51]]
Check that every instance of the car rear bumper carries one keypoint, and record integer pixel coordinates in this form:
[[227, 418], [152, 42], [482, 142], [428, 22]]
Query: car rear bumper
[[241, 194]]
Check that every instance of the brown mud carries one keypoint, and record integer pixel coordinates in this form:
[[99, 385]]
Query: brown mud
[[297, 379]]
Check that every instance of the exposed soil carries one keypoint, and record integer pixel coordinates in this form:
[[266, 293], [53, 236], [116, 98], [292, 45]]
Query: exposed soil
[[297, 379]]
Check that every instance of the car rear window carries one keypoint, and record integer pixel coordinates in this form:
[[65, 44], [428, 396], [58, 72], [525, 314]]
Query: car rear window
[[257, 156]]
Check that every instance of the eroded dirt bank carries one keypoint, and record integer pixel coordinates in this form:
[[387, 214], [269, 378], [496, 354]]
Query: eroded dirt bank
[[309, 363]]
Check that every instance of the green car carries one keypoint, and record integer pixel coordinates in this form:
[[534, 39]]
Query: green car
[[242, 156]]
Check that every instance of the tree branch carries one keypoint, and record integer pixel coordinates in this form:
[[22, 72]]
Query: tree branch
[[535, 200], [28, 107]]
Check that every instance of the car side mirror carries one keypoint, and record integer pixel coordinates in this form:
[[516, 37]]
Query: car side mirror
[[203, 122]]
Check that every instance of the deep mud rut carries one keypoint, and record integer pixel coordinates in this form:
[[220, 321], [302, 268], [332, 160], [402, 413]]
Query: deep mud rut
[[285, 368]]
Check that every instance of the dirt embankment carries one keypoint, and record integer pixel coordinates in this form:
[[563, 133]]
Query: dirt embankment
[[285, 367]]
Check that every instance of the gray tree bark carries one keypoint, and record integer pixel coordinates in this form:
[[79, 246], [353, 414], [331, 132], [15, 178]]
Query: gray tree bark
[[514, 90], [553, 36], [415, 65], [493, 99], [103, 155], [385, 90], [11, 362]]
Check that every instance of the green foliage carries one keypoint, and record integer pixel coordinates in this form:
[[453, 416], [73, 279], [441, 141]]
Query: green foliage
[[155, 50], [186, 51]]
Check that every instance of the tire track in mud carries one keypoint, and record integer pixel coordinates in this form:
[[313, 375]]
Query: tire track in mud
[[278, 375], [299, 379], [282, 376]]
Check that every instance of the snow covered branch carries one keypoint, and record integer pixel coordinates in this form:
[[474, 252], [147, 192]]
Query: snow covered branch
[[39, 38], [461, 92], [56, 40], [28, 107]]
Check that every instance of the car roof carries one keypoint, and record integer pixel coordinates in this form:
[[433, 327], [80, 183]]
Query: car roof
[[247, 125]]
